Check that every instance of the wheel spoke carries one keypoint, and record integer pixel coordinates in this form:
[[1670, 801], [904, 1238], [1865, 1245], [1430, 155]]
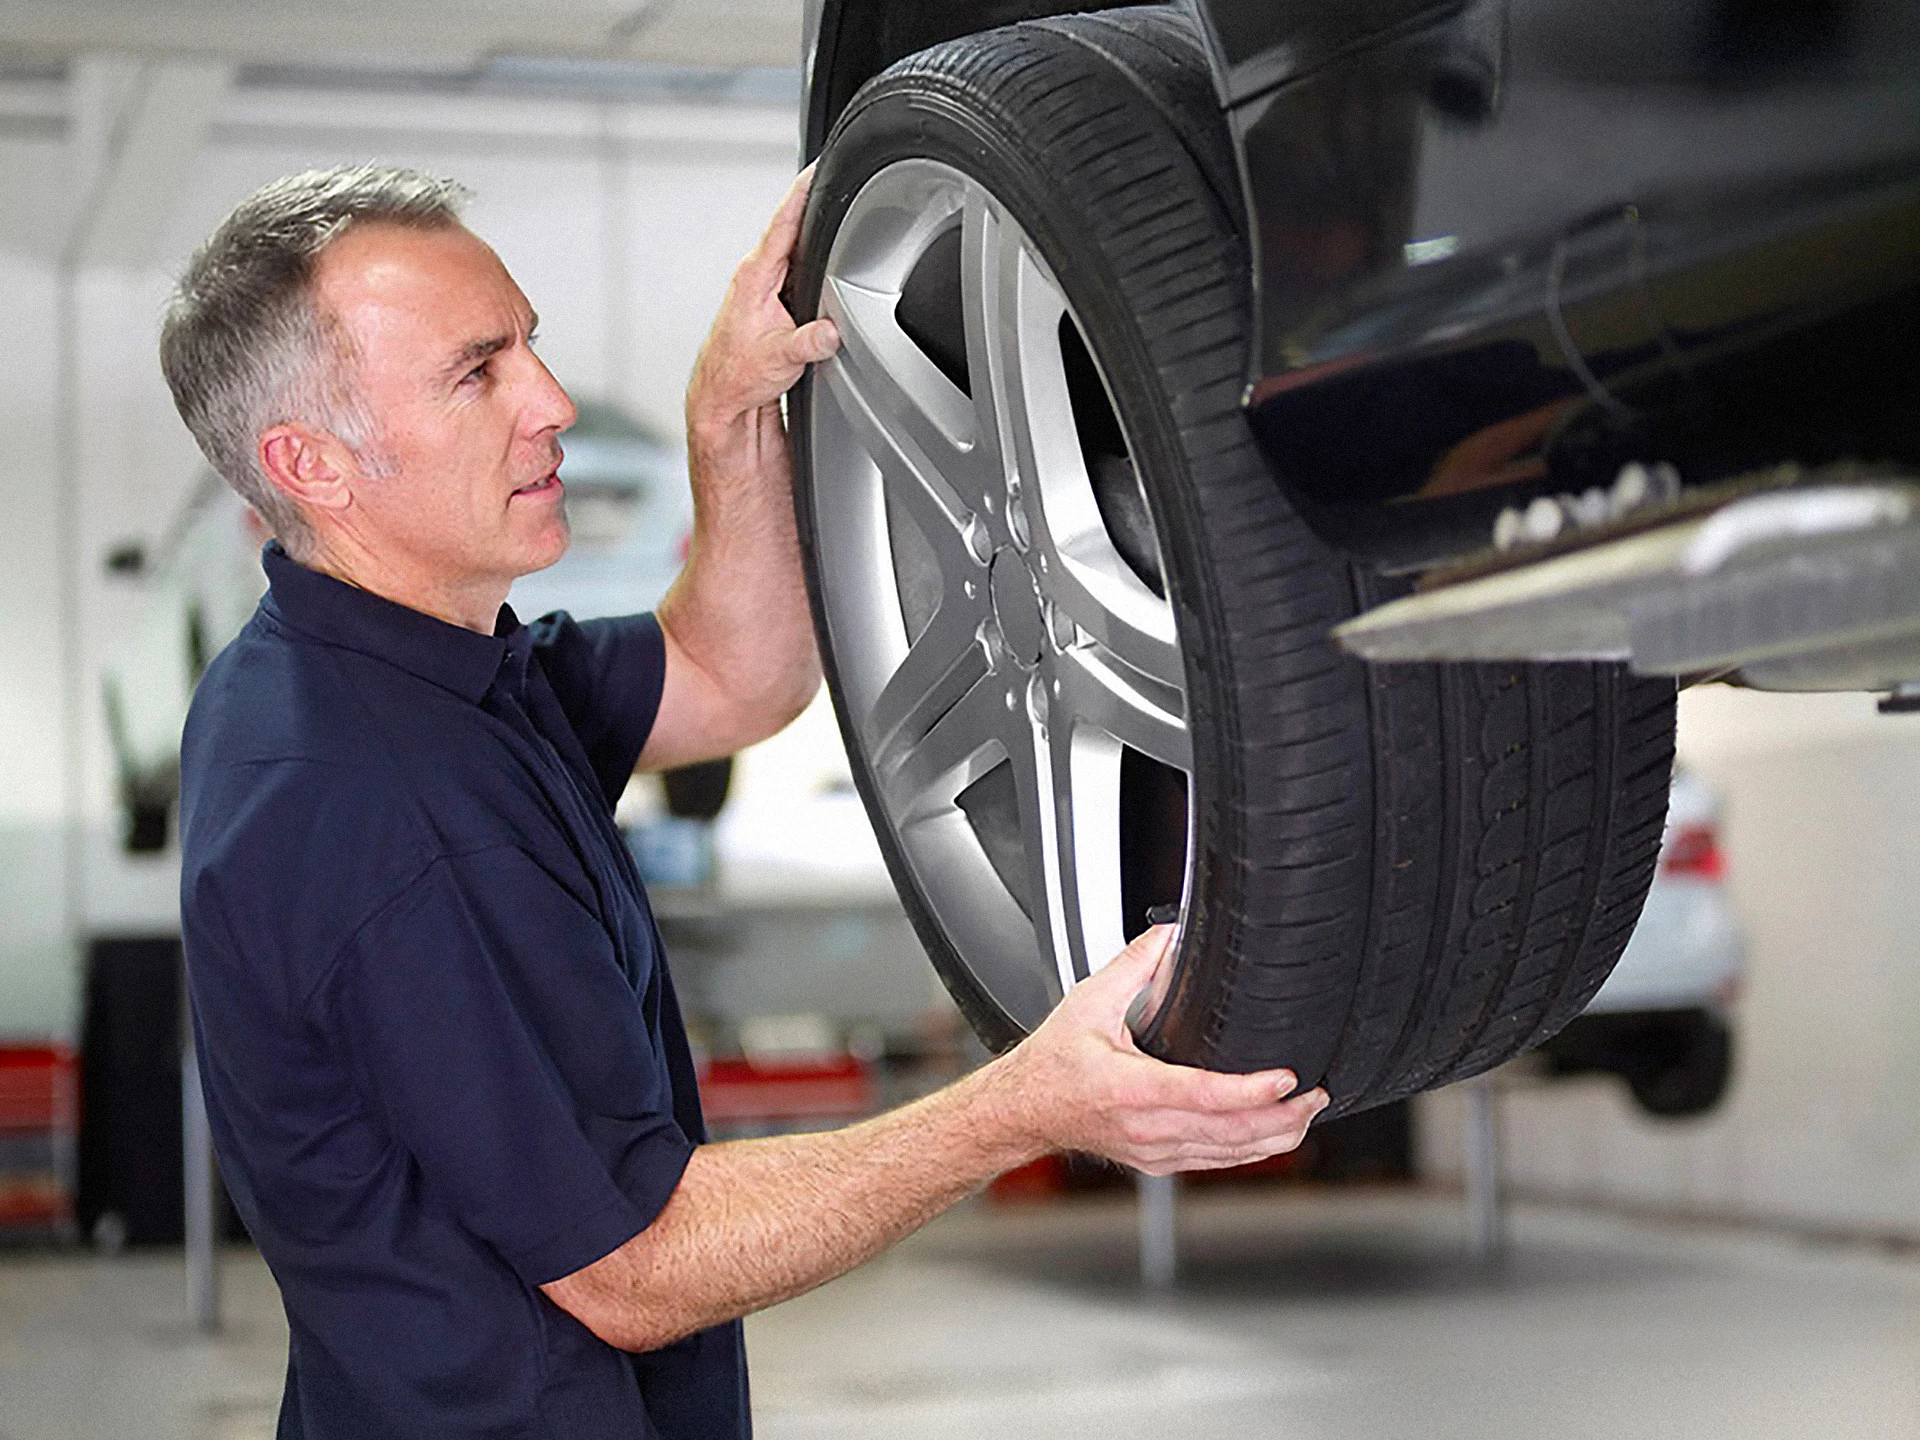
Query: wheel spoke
[[915, 423], [989, 256], [1040, 801], [1090, 840], [920, 774], [1116, 667], [1014, 314], [1100, 689], [1067, 779], [1127, 622], [939, 668]]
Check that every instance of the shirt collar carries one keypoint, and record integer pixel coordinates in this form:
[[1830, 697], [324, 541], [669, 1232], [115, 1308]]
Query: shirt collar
[[337, 613]]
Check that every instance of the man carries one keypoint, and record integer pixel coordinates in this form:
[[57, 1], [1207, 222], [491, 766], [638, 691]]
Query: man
[[444, 1063]]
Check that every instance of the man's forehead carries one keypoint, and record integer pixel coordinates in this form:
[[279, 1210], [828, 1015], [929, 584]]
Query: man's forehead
[[387, 284]]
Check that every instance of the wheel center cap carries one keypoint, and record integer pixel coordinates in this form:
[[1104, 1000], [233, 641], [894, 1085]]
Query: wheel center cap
[[1016, 606]]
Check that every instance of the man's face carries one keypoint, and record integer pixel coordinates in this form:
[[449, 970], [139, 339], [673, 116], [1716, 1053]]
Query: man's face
[[463, 485]]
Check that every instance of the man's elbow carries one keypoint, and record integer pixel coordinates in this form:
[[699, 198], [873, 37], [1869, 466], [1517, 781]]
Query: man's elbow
[[769, 710], [799, 695], [613, 1329], [635, 1334], [625, 1322]]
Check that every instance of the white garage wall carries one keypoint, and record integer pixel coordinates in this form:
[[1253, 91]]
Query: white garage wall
[[34, 969], [1822, 836], [622, 222]]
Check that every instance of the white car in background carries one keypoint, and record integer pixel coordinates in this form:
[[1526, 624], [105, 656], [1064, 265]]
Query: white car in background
[[1663, 1020], [627, 500]]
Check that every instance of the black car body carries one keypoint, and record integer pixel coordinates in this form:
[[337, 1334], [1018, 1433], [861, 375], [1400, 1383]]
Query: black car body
[[1503, 248], [1558, 351]]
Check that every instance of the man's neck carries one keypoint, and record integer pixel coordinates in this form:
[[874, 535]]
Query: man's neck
[[471, 604]]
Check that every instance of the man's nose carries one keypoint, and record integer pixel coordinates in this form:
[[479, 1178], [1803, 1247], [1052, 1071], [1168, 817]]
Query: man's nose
[[550, 407]]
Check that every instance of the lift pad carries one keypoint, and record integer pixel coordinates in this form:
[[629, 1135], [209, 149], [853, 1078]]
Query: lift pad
[[1801, 587]]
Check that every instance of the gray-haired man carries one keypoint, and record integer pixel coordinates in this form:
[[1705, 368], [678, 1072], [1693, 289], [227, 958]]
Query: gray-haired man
[[447, 1074]]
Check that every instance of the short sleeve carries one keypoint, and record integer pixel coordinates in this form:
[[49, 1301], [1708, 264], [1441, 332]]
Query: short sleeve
[[608, 676], [494, 1035]]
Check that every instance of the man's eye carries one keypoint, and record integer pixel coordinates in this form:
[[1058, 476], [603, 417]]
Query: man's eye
[[479, 372]]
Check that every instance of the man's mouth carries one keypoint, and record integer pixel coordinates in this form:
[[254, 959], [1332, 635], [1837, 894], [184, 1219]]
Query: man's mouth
[[549, 481]]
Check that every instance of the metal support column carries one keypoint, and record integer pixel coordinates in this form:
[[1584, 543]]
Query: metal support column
[[1159, 1230], [1484, 1204], [202, 1197]]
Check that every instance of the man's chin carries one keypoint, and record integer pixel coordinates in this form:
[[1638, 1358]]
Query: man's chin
[[549, 549]]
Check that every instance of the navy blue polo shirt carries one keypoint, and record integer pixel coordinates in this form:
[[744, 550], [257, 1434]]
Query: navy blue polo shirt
[[441, 1050]]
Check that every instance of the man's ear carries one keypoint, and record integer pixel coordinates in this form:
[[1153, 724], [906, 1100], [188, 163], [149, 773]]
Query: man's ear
[[309, 466]]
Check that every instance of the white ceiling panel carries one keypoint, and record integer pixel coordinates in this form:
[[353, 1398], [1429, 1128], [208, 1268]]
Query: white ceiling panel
[[704, 33]]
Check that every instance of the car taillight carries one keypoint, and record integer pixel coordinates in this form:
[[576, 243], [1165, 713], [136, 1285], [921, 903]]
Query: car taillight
[[1694, 851]]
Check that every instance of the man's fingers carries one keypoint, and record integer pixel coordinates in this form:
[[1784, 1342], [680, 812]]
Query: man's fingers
[[1168, 1159], [776, 245], [784, 228], [815, 341], [1181, 1087], [1169, 1141], [789, 353], [802, 184], [759, 370], [1181, 1161], [1237, 1130]]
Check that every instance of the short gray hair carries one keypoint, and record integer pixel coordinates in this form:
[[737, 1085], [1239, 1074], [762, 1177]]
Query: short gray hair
[[245, 347]]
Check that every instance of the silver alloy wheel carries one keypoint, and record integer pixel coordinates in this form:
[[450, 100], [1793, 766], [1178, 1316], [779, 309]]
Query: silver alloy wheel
[[998, 651]]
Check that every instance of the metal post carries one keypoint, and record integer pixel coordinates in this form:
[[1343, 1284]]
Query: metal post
[[66, 1148], [202, 1197], [1159, 1230], [1483, 1173]]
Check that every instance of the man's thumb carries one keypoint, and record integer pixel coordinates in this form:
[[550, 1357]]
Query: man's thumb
[[1134, 967], [815, 341]]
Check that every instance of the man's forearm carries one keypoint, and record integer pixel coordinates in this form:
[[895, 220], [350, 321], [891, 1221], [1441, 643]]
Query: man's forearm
[[739, 610], [744, 592], [754, 1222]]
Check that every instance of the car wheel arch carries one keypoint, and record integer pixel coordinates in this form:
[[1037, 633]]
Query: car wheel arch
[[851, 41]]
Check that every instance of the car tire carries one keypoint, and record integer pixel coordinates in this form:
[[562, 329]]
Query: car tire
[[1685, 1069], [1676, 1063], [1386, 878]]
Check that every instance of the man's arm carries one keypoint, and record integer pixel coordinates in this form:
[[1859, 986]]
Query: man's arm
[[740, 654], [758, 1221]]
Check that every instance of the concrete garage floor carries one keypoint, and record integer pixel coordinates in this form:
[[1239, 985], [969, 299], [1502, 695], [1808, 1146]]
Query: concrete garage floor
[[1330, 1316]]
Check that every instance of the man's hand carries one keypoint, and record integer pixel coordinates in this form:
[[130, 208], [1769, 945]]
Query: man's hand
[[755, 352], [1080, 1083], [740, 653]]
